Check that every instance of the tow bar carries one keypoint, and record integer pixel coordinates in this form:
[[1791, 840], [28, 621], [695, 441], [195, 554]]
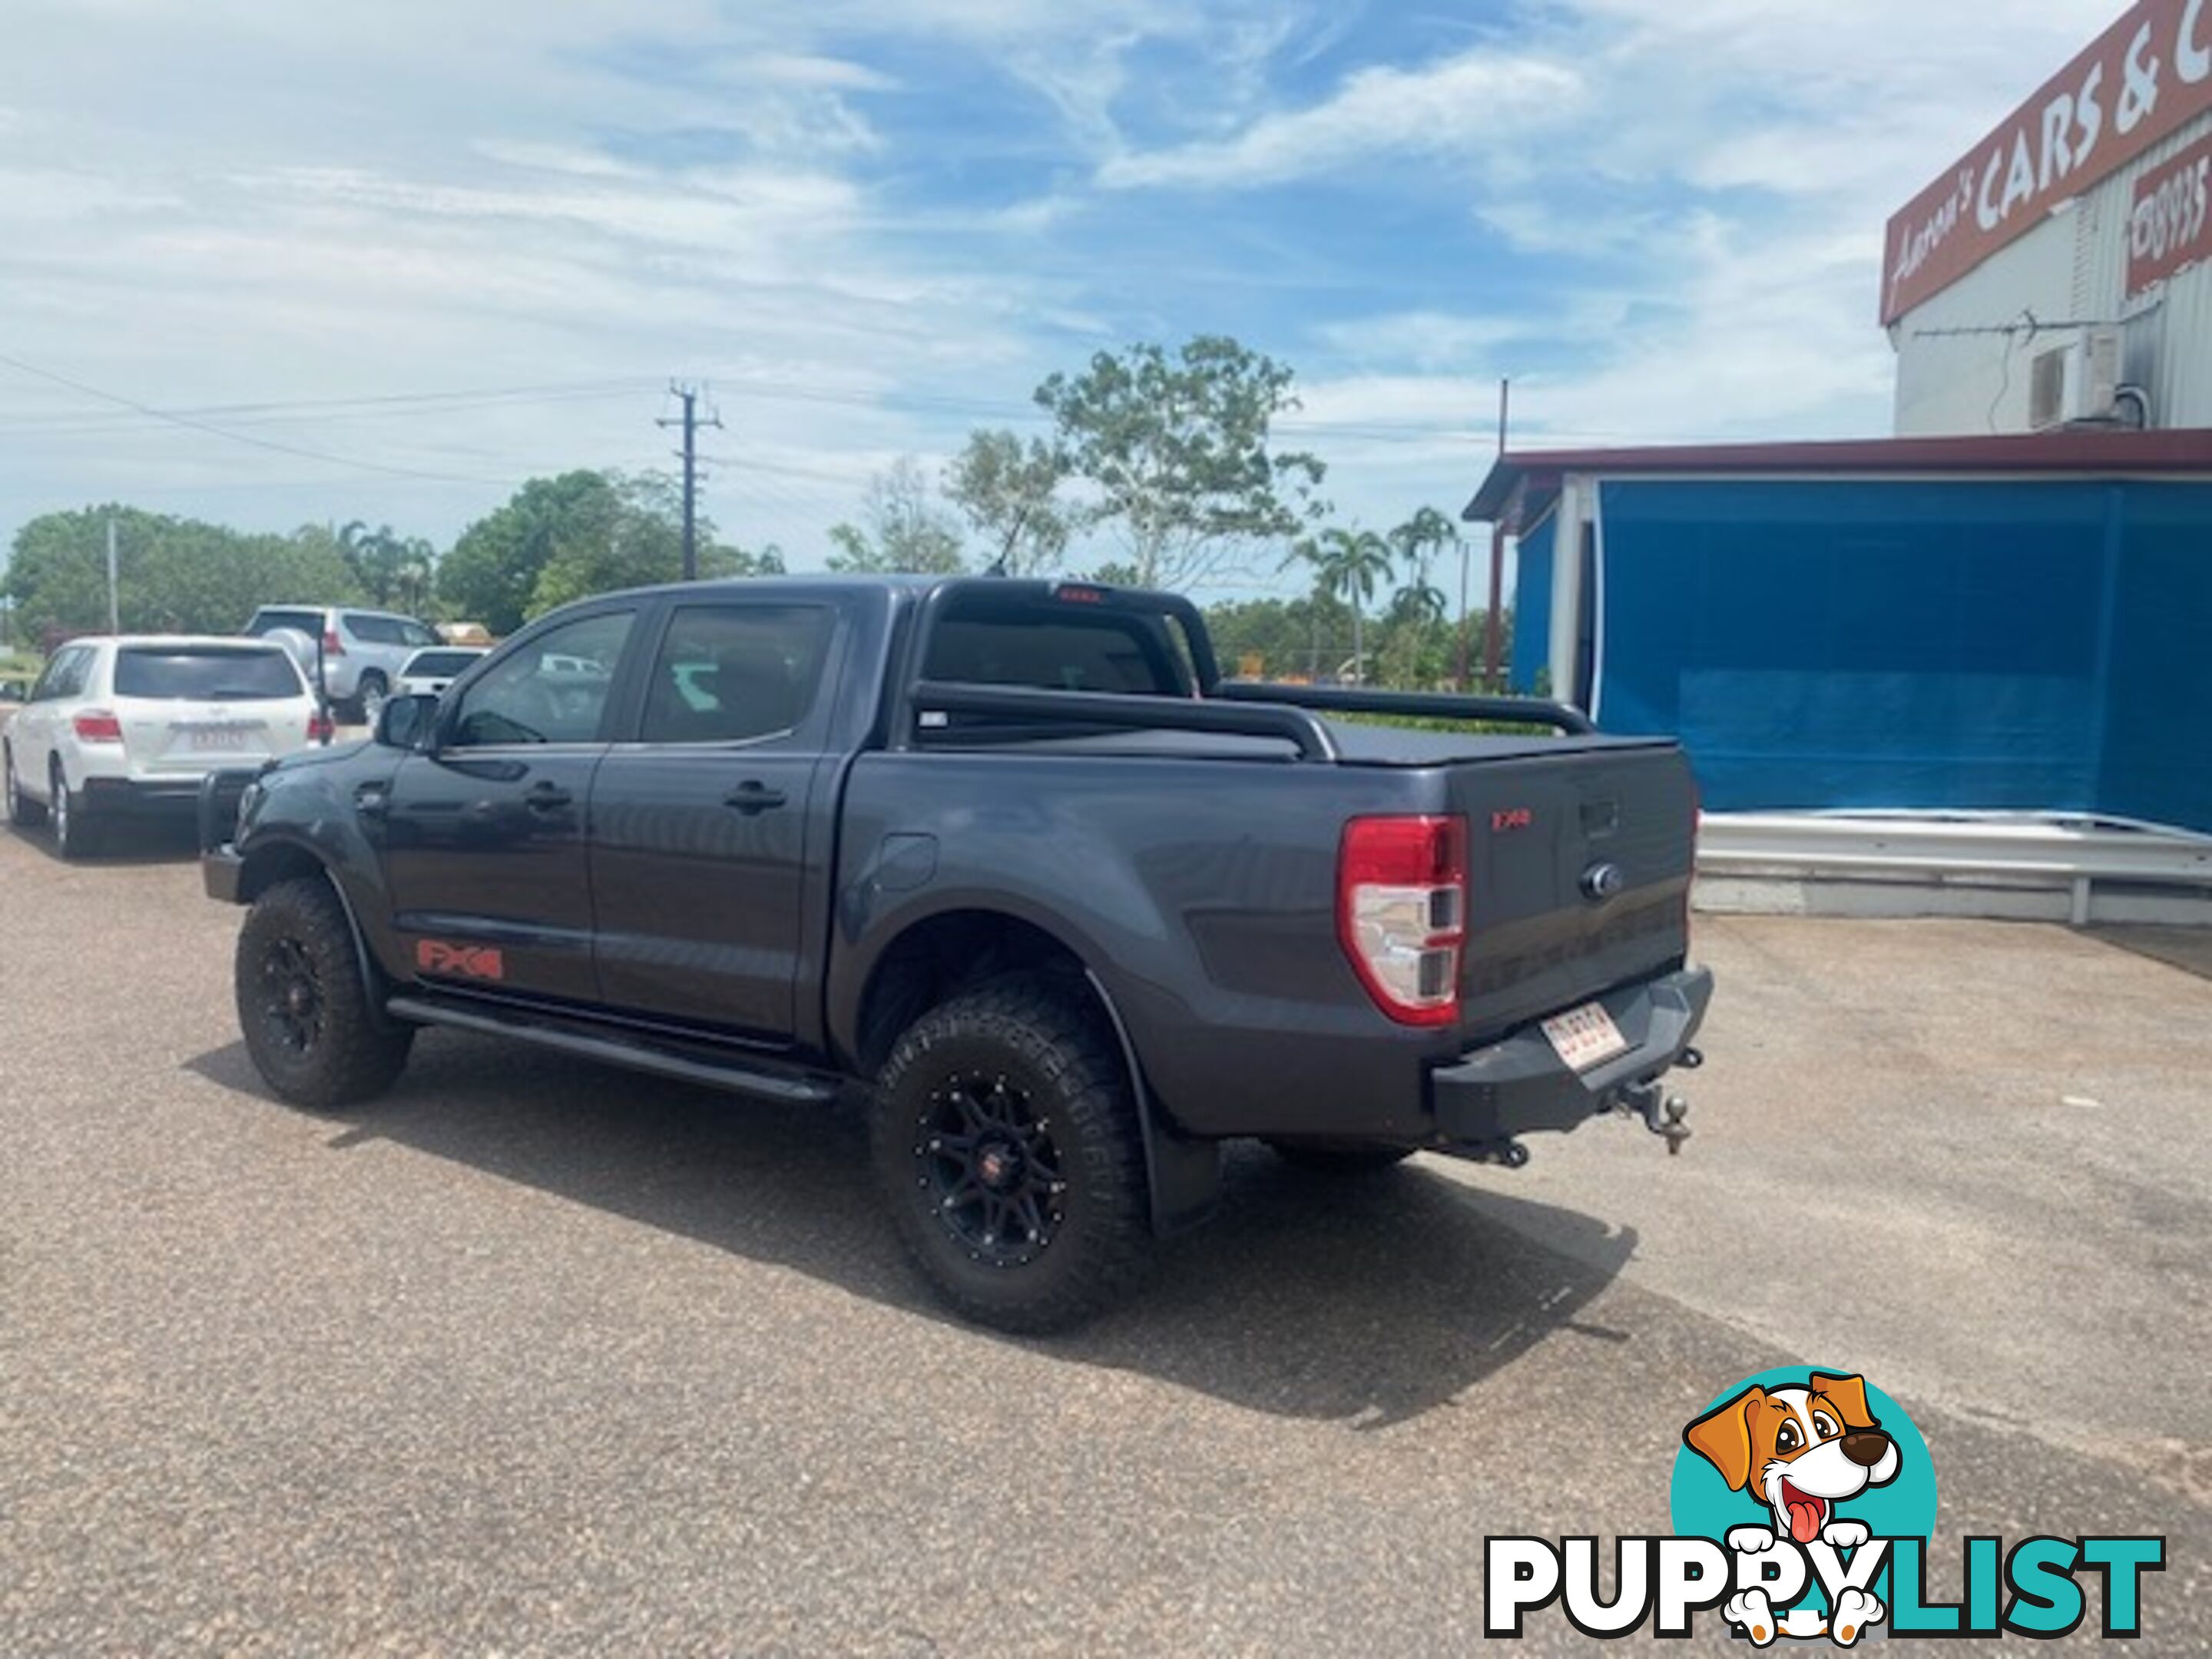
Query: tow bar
[[1662, 1113]]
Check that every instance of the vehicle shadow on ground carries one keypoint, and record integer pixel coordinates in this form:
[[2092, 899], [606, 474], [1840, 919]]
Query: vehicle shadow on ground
[[1369, 1300], [127, 846], [2189, 949]]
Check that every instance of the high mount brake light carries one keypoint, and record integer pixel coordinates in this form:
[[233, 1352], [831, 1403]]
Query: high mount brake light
[[1401, 905]]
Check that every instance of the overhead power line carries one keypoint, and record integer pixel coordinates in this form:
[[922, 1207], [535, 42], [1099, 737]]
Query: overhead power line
[[192, 423], [418, 406]]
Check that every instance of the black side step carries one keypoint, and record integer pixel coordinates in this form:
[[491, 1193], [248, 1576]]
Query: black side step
[[742, 1077]]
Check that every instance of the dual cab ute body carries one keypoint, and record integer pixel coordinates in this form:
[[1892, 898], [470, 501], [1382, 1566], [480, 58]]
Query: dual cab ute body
[[973, 843]]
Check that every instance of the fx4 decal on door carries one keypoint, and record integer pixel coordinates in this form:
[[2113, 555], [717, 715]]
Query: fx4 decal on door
[[434, 956]]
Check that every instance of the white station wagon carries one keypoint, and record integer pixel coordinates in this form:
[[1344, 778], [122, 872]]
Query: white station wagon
[[126, 726]]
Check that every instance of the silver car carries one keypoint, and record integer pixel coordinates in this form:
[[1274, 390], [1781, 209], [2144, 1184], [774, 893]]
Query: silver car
[[362, 651]]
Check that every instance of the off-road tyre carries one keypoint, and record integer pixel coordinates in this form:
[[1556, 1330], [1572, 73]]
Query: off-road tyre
[[302, 1006], [1339, 1158], [22, 811], [1022, 1049]]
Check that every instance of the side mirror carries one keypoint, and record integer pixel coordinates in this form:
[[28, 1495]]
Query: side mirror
[[406, 722]]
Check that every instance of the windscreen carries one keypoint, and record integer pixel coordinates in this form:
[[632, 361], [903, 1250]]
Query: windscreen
[[1057, 648], [205, 673]]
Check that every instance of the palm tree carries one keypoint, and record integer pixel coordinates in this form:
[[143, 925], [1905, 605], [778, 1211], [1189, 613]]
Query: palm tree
[[418, 565], [1349, 565], [1420, 605]]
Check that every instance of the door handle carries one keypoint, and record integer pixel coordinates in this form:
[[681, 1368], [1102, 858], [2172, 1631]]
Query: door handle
[[753, 796], [548, 797], [371, 801]]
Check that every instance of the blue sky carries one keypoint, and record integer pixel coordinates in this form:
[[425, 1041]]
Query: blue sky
[[870, 226]]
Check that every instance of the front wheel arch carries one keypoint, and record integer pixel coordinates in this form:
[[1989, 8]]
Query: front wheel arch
[[286, 860], [313, 1025]]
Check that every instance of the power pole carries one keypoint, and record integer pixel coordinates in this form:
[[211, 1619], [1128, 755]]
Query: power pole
[[691, 421], [114, 601], [1492, 642]]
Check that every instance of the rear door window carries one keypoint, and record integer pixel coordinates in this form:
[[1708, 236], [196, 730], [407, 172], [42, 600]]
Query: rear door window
[[372, 630], [65, 675], [205, 674], [736, 673]]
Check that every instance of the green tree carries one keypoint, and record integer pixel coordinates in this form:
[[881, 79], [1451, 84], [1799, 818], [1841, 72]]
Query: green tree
[[904, 529], [1009, 491], [173, 574], [563, 538], [491, 575], [1420, 540], [417, 576], [1348, 565], [722, 560], [1292, 638], [627, 533], [1176, 451]]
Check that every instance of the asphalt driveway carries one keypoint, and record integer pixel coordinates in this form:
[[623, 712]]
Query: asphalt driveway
[[534, 1357]]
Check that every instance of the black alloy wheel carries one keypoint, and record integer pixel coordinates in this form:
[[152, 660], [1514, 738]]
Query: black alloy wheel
[[291, 996], [1006, 1142], [989, 1162]]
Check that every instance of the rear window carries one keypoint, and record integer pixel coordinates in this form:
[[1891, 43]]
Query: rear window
[[309, 622], [1057, 649], [205, 673], [440, 662]]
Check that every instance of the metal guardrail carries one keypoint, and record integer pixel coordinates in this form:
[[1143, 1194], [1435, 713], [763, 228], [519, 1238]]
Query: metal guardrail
[[2072, 856]]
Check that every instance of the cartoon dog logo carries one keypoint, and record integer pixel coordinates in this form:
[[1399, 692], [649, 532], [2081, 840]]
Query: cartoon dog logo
[[1799, 1452]]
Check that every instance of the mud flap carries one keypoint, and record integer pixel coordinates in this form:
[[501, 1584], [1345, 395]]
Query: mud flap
[[1183, 1172]]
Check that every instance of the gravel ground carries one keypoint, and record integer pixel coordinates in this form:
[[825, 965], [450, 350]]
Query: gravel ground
[[538, 1358]]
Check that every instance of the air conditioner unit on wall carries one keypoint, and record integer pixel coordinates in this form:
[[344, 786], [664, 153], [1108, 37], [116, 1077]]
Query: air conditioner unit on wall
[[2077, 383]]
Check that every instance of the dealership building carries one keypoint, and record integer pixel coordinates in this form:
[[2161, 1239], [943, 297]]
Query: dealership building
[[1967, 666], [2060, 274]]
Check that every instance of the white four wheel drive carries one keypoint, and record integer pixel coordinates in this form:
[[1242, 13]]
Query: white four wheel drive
[[127, 726], [359, 653]]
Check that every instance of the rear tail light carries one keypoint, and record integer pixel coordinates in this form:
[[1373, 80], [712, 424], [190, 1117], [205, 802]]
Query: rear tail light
[[333, 644], [97, 725], [1697, 842], [1401, 896], [320, 727]]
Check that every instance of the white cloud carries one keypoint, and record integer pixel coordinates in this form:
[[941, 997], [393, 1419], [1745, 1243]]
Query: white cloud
[[284, 202], [1479, 101]]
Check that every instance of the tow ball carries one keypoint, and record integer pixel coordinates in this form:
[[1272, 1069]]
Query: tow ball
[[1662, 1113]]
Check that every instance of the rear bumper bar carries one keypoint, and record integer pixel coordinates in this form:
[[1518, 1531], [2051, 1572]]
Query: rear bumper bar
[[152, 797], [1521, 1086]]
